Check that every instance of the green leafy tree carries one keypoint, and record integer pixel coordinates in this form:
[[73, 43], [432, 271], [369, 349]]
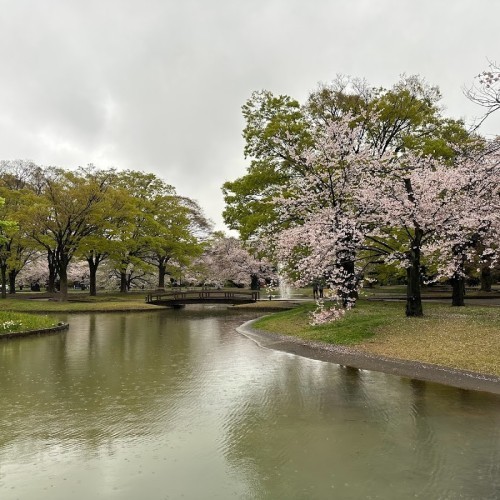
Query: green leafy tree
[[7, 228], [160, 226], [65, 213], [175, 233], [19, 179], [406, 116]]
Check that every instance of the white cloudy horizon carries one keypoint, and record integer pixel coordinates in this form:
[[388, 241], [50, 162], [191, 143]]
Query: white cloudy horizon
[[158, 85]]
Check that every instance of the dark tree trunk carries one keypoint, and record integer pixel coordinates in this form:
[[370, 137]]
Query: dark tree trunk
[[350, 295], [12, 280], [51, 285], [162, 272], [413, 272], [413, 295], [254, 283], [63, 282], [93, 265], [94, 259], [123, 282], [458, 291], [3, 279], [486, 278]]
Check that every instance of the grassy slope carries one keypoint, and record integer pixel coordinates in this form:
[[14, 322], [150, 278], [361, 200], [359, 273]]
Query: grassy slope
[[467, 337]]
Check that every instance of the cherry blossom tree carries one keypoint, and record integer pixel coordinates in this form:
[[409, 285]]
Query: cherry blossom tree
[[399, 207], [227, 260], [486, 91], [323, 231], [474, 234], [418, 206], [35, 271]]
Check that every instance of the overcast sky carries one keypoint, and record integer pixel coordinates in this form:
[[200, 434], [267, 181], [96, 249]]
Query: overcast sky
[[158, 85]]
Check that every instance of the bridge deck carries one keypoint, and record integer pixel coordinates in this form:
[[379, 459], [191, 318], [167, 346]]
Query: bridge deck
[[179, 298]]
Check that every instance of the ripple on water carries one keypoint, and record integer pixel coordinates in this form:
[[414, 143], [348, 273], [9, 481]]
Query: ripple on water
[[186, 405]]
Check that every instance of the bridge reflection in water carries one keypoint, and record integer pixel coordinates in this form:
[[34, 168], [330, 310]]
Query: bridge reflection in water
[[179, 298]]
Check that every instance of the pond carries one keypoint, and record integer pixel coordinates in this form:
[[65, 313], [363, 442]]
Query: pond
[[176, 404]]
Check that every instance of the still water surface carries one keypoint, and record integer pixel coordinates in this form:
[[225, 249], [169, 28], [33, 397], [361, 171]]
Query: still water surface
[[177, 405]]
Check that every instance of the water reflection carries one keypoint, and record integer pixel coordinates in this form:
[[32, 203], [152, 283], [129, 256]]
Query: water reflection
[[175, 403]]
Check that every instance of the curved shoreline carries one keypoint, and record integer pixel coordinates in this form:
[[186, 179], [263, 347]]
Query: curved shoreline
[[348, 356], [27, 333]]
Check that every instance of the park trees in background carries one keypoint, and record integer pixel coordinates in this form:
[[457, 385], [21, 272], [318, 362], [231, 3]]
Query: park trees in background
[[133, 220], [176, 235], [227, 260], [67, 211], [7, 228], [159, 226], [18, 180]]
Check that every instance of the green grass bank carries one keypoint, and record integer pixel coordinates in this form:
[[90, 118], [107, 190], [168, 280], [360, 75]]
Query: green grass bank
[[13, 322], [23, 312], [466, 338]]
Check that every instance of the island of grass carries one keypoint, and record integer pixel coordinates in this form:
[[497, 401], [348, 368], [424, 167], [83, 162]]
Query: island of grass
[[16, 323]]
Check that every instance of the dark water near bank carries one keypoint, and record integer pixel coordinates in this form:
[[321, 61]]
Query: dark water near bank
[[176, 404]]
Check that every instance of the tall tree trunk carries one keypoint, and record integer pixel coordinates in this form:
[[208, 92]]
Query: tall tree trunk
[[3, 279], [63, 282], [123, 282], [486, 277], [162, 271], [350, 295], [92, 277], [413, 295], [93, 262], [458, 291], [51, 285], [254, 282], [12, 280]]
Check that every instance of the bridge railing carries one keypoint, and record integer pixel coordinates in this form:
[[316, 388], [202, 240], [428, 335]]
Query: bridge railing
[[203, 295]]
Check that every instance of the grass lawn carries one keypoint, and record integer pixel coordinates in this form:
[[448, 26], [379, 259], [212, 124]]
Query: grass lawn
[[467, 338], [78, 302], [19, 322]]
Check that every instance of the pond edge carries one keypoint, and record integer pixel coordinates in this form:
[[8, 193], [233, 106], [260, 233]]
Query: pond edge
[[347, 356], [27, 333]]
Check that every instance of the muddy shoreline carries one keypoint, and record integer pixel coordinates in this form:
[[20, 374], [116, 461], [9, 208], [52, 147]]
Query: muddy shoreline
[[347, 356]]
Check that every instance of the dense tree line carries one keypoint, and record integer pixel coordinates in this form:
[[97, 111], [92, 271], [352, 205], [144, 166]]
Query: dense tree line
[[133, 221], [359, 177]]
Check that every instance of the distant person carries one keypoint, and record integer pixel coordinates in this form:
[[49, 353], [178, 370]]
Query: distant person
[[315, 289]]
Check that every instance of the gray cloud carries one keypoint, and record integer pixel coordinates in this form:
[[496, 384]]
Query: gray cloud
[[158, 85]]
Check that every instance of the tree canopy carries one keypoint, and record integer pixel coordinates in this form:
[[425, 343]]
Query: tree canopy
[[359, 174]]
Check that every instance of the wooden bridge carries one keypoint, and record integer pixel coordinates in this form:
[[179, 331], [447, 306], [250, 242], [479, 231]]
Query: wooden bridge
[[179, 298]]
